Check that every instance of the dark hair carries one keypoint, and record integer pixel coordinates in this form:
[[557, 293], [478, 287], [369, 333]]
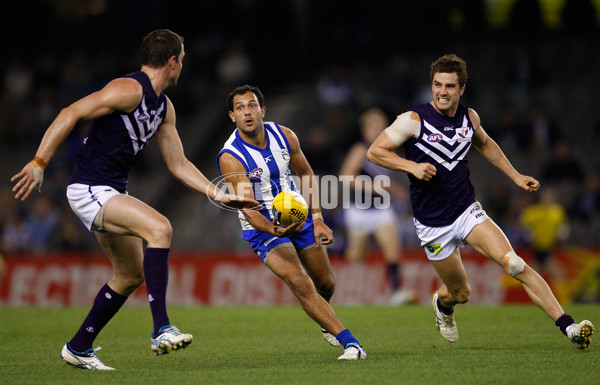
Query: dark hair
[[158, 46], [448, 64], [242, 90]]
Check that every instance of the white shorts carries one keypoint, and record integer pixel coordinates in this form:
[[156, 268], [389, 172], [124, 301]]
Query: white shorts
[[366, 221], [86, 201], [440, 242]]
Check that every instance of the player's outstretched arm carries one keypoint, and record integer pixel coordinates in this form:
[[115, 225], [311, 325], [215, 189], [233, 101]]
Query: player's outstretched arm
[[494, 154], [118, 95], [169, 143]]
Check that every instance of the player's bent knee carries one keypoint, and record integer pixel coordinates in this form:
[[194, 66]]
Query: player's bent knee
[[463, 295], [301, 284], [162, 231], [513, 264], [165, 228], [327, 288]]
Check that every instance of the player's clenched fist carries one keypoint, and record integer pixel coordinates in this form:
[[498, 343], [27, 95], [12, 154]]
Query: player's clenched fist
[[424, 171]]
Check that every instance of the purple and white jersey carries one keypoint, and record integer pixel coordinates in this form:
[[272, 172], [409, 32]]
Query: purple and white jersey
[[113, 141], [444, 142]]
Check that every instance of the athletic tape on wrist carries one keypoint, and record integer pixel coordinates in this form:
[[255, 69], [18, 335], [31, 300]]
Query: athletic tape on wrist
[[39, 162]]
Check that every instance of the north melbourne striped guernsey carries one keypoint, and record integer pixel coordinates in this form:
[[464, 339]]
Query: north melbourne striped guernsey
[[268, 168]]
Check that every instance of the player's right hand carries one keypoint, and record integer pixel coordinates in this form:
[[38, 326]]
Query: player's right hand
[[31, 177], [424, 171]]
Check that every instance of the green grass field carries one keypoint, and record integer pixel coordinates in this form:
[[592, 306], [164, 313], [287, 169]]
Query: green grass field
[[281, 345]]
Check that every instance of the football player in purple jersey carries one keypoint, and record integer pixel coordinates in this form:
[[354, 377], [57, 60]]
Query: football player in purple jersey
[[436, 137], [125, 115]]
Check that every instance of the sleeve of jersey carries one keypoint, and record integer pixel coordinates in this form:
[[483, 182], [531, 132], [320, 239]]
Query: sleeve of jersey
[[403, 128]]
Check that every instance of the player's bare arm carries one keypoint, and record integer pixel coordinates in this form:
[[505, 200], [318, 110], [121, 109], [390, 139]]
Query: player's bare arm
[[171, 148], [118, 95], [123, 94], [494, 154], [382, 151], [302, 168], [236, 176]]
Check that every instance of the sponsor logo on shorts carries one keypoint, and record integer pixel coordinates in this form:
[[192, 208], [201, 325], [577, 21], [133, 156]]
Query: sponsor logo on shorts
[[478, 211], [434, 249]]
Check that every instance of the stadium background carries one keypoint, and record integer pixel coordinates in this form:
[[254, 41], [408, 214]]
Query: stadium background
[[532, 78]]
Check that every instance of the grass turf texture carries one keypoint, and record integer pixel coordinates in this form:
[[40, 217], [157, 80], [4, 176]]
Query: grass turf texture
[[275, 345]]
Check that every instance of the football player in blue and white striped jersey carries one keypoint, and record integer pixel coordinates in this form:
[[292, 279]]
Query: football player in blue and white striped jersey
[[256, 161]]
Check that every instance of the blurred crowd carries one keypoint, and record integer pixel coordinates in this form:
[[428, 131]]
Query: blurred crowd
[[535, 97]]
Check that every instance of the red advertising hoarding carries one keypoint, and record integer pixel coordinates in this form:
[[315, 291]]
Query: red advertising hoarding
[[226, 279]]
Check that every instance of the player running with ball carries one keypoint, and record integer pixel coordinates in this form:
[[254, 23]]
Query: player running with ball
[[256, 161]]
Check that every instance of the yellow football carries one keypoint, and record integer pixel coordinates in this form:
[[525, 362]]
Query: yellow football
[[289, 207]]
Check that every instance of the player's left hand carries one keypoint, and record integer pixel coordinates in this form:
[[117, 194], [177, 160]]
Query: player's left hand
[[31, 177], [283, 231], [527, 183], [323, 233]]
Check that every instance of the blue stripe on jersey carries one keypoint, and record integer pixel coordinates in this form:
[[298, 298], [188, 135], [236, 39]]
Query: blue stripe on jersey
[[273, 169], [285, 139], [279, 135]]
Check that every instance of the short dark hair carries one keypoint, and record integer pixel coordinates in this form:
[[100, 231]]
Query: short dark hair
[[242, 90], [448, 64], [159, 45]]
